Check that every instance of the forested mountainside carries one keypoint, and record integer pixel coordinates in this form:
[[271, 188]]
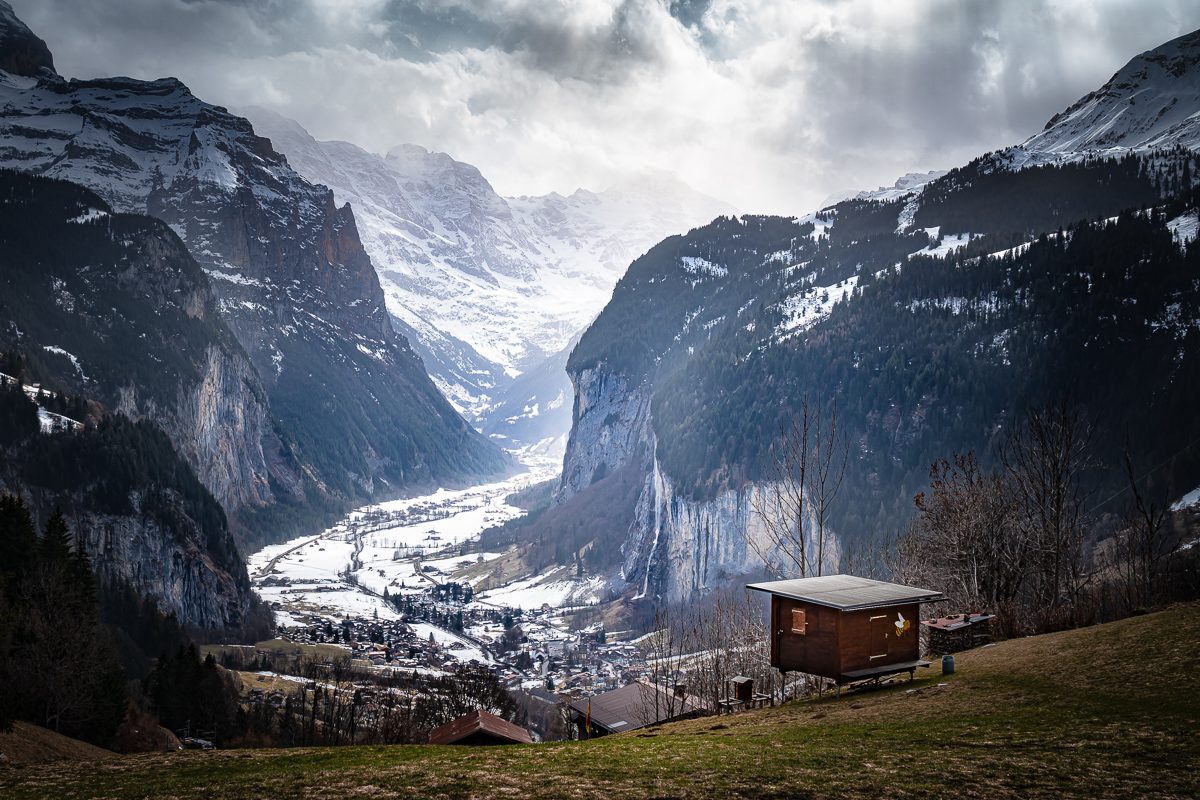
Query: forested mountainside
[[292, 281], [114, 322], [929, 319], [140, 513]]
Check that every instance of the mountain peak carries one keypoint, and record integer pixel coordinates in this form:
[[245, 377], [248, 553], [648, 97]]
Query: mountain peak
[[21, 51], [1150, 102]]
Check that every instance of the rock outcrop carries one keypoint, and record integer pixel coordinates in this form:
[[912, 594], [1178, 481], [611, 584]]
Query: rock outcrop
[[609, 420], [676, 549], [171, 567]]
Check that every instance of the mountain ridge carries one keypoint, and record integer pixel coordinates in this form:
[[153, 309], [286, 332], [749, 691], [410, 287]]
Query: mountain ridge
[[292, 280], [514, 279], [711, 337]]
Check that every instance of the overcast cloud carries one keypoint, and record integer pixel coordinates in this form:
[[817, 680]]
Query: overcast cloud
[[768, 104]]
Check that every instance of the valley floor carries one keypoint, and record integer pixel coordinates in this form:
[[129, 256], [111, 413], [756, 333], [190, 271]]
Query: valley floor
[[1107, 711]]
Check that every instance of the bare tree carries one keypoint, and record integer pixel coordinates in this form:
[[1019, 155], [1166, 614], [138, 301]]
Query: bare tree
[[1046, 457], [830, 451], [871, 557], [1140, 552], [730, 639], [964, 540], [803, 471], [664, 650]]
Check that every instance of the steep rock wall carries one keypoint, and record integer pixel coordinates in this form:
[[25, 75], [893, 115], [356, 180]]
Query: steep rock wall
[[220, 417], [679, 549], [169, 563], [222, 425], [609, 420], [676, 548], [169, 567]]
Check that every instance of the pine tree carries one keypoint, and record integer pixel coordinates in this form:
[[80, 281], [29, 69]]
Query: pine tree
[[18, 536], [56, 539]]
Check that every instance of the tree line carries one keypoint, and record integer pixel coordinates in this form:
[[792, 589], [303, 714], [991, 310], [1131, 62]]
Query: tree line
[[1035, 540]]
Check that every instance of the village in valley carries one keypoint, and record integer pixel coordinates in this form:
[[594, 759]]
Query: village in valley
[[402, 591]]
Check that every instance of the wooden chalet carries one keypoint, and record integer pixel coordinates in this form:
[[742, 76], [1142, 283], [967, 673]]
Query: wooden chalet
[[479, 729], [845, 628]]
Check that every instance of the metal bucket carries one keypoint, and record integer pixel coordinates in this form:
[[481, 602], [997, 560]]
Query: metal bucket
[[947, 665]]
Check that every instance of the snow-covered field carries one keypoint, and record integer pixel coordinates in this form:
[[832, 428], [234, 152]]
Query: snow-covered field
[[555, 588], [402, 546], [802, 311]]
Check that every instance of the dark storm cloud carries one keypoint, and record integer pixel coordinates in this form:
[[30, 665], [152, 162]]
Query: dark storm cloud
[[768, 103]]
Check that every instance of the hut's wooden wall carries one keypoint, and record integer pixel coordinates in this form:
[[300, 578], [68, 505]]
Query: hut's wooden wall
[[816, 651], [872, 639]]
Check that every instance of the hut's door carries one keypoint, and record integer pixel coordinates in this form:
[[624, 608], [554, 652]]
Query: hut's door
[[879, 636]]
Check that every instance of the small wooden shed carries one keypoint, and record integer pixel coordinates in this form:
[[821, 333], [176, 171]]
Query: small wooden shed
[[845, 628], [479, 728]]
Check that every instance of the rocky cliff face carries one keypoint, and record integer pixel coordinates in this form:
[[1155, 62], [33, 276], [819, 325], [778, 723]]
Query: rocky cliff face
[[220, 419], [222, 426], [173, 566], [21, 53], [170, 567], [677, 549], [117, 310], [609, 420], [113, 308], [680, 549]]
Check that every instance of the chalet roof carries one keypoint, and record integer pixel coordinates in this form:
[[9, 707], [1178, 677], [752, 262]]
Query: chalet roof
[[544, 696], [632, 706], [848, 593], [478, 720]]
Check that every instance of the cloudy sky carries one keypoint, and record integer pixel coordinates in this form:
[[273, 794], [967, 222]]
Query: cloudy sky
[[768, 104]]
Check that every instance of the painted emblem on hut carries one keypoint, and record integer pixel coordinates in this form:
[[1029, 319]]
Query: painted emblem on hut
[[901, 624]]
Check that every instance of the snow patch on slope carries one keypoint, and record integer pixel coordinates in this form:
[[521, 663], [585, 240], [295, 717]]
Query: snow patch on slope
[[802, 311]]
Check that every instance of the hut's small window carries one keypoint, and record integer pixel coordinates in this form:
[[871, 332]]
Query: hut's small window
[[797, 620]]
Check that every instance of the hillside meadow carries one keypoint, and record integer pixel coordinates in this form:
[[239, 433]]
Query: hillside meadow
[[1102, 712]]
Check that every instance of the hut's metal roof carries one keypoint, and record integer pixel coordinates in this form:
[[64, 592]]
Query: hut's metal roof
[[848, 593]]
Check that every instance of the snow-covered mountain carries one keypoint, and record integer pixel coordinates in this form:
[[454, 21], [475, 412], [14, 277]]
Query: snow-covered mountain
[[1151, 102], [683, 380], [488, 287], [292, 278]]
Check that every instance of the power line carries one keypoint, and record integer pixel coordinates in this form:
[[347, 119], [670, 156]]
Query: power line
[[1187, 447]]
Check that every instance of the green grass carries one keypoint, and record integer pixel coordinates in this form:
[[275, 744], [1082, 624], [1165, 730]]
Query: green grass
[[1108, 711]]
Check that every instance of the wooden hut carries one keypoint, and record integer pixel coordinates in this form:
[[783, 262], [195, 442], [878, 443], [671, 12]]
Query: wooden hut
[[845, 628], [479, 728]]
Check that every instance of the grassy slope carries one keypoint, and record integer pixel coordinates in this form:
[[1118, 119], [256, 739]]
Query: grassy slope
[[29, 744], [1109, 711]]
